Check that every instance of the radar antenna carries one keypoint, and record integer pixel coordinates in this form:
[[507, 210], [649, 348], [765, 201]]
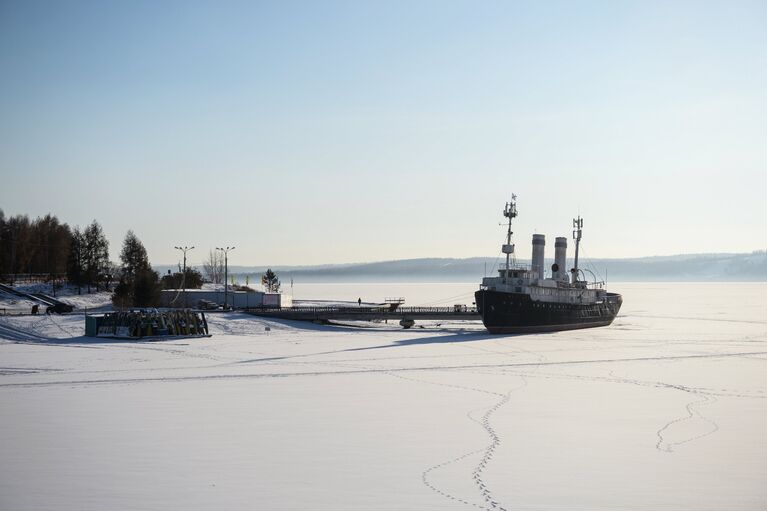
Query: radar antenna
[[577, 227], [510, 212]]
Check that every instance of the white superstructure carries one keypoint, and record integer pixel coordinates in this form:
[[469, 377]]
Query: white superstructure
[[560, 287]]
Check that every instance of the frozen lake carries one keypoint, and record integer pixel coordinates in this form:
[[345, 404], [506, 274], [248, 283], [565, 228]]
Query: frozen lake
[[664, 410]]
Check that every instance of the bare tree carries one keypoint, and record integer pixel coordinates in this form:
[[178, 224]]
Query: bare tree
[[213, 267]]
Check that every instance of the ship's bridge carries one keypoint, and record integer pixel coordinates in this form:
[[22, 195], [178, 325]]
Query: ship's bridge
[[515, 271]]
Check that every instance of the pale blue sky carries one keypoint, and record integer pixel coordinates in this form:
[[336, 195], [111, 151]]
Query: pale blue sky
[[327, 132]]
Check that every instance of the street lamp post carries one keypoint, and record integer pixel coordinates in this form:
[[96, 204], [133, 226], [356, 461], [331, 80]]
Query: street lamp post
[[183, 275], [226, 272]]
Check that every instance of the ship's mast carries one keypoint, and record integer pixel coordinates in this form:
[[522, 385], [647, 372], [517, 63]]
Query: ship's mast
[[510, 211], [577, 226]]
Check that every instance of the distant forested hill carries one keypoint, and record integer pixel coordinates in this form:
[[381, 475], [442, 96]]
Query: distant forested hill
[[680, 268]]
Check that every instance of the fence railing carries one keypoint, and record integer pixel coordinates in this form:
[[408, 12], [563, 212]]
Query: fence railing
[[513, 266], [31, 278], [15, 311], [365, 310]]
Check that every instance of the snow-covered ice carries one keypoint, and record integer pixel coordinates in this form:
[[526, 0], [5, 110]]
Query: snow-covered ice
[[664, 410]]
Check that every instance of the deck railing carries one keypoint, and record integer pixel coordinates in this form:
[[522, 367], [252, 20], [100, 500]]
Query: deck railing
[[366, 311]]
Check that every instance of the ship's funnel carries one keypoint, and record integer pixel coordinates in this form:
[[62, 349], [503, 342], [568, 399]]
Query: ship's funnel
[[539, 243], [560, 260]]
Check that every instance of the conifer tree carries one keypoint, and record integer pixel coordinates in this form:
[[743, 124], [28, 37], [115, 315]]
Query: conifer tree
[[96, 254], [270, 281], [133, 256], [139, 285], [76, 260]]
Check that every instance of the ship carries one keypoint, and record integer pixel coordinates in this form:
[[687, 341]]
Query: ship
[[523, 299]]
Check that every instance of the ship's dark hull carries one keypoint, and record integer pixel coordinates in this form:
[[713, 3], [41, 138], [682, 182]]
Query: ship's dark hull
[[514, 313]]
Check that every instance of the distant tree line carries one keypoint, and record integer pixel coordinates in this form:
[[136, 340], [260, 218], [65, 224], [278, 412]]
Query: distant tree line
[[56, 252], [47, 247], [33, 246]]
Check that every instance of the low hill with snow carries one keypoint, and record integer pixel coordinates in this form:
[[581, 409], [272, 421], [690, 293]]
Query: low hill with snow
[[678, 268]]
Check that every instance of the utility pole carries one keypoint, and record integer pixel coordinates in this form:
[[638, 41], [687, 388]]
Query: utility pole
[[226, 272], [183, 275]]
